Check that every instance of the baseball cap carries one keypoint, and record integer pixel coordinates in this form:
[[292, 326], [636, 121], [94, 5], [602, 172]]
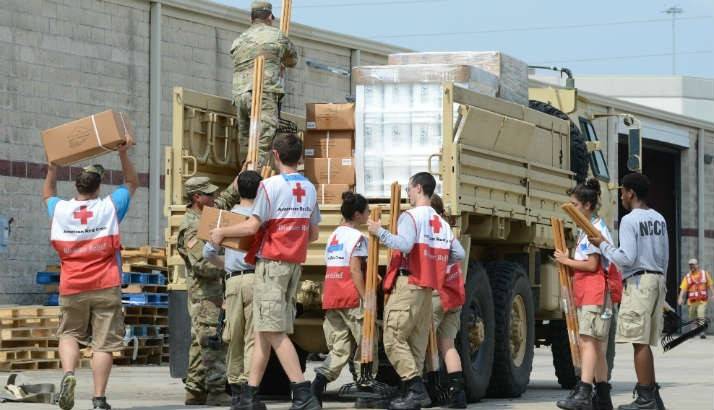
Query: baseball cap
[[693, 262]]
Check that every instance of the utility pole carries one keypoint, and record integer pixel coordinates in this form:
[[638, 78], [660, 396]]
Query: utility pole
[[673, 11]]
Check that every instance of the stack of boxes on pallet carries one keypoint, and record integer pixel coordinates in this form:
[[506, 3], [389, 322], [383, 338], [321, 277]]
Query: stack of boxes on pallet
[[400, 113], [145, 301], [329, 150]]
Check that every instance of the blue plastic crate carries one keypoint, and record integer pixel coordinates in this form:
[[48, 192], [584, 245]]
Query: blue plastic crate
[[47, 278], [52, 299], [143, 278], [145, 298]]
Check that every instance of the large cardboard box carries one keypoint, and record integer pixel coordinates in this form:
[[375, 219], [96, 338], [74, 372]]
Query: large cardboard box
[[512, 72], [331, 193], [330, 170], [329, 116], [329, 144], [86, 138], [214, 218]]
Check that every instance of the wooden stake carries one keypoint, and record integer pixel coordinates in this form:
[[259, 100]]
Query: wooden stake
[[255, 112], [285, 16], [580, 220], [566, 294], [370, 294]]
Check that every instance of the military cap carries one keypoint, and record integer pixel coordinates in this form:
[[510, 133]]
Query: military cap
[[202, 185], [94, 169], [261, 6]]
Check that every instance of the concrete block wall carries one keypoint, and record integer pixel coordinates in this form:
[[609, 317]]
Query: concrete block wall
[[65, 59]]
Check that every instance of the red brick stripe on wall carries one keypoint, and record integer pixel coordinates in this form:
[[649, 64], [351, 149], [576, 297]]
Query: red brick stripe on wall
[[33, 170], [692, 232]]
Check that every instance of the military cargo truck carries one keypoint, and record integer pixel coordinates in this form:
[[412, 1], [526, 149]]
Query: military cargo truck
[[504, 169]]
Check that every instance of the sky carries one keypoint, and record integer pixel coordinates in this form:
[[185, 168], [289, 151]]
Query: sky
[[605, 37]]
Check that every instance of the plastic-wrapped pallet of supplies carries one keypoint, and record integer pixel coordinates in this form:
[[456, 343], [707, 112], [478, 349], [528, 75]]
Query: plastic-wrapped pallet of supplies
[[398, 82], [398, 118], [512, 73]]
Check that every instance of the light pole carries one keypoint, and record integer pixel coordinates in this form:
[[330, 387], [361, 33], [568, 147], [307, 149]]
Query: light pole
[[673, 11]]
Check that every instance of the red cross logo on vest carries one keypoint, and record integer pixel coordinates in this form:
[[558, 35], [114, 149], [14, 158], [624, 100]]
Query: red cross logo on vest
[[435, 224], [298, 192], [83, 215]]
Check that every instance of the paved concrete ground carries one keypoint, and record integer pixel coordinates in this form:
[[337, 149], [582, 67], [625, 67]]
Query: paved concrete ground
[[686, 375]]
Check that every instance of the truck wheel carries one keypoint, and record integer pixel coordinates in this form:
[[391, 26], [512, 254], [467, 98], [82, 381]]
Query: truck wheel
[[475, 341], [562, 359], [515, 329], [579, 158], [275, 382]]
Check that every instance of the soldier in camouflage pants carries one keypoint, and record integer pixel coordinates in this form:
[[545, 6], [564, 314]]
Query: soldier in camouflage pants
[[279, 52], [206, 378]]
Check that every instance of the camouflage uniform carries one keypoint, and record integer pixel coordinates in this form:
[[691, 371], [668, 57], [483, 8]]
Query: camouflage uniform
[[279, 52], [207, 367]]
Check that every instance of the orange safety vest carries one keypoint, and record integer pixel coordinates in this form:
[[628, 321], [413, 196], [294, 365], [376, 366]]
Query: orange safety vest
[[697, 288]]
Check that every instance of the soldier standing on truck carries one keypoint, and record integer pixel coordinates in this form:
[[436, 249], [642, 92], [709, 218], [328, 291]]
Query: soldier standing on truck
[[343, 292], [279, 52], [427, 246], [239, 280], [697, 288], [643, 256], [206, 378], [286, 213], [446, 313]]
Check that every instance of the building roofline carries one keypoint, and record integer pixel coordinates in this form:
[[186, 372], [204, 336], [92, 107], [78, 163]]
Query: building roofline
[[634, 108], [234, 14]]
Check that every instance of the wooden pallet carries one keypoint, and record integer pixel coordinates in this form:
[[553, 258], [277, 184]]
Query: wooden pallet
[[29, 321], [145, 255], [29, 343], [30, 365], [146, 311], [22, 333], [13, 311], [143, 267], [37, 353], [146, 320], [138, 288]]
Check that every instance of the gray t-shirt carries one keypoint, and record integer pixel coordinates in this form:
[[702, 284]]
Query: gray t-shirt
[[234, 259], [644, 244]]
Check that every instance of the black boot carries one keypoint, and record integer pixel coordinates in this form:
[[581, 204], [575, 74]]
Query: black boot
[[100, 403], [602, 399], [457, 394], [303, 399], [249, 399], [235, 393], [658, 398], [319, 384], [415, 396], [644, 399], [580, 399]]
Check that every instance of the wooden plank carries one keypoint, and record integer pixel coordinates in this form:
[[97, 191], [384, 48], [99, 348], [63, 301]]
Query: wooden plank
[[27, 333], [29, 321]]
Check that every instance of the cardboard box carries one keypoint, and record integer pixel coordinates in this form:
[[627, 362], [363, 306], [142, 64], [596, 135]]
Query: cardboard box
[[213, 218], [329, 144], [328, 116], [331, 193], [86, 138], [330, 170]]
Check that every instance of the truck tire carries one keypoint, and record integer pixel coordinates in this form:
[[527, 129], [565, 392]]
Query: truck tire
[[514, 312], [562, 359], [476, 339], [579, 158], [275, 382]]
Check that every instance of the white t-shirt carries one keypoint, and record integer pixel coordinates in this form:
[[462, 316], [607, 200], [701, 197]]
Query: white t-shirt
[[584, 247]]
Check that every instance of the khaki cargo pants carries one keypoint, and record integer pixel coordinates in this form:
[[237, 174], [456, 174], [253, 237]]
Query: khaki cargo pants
[[447, 324], [640, 319], [269, 117], [698, 310], [343, 333], [274, 293], [238, 331], [407, 322]]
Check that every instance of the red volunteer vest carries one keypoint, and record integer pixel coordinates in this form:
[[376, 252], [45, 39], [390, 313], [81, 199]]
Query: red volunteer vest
[[589, 287], [429, 257], [85, 235], [339, 291], [453, 293], [292, 199], [697, 288]]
